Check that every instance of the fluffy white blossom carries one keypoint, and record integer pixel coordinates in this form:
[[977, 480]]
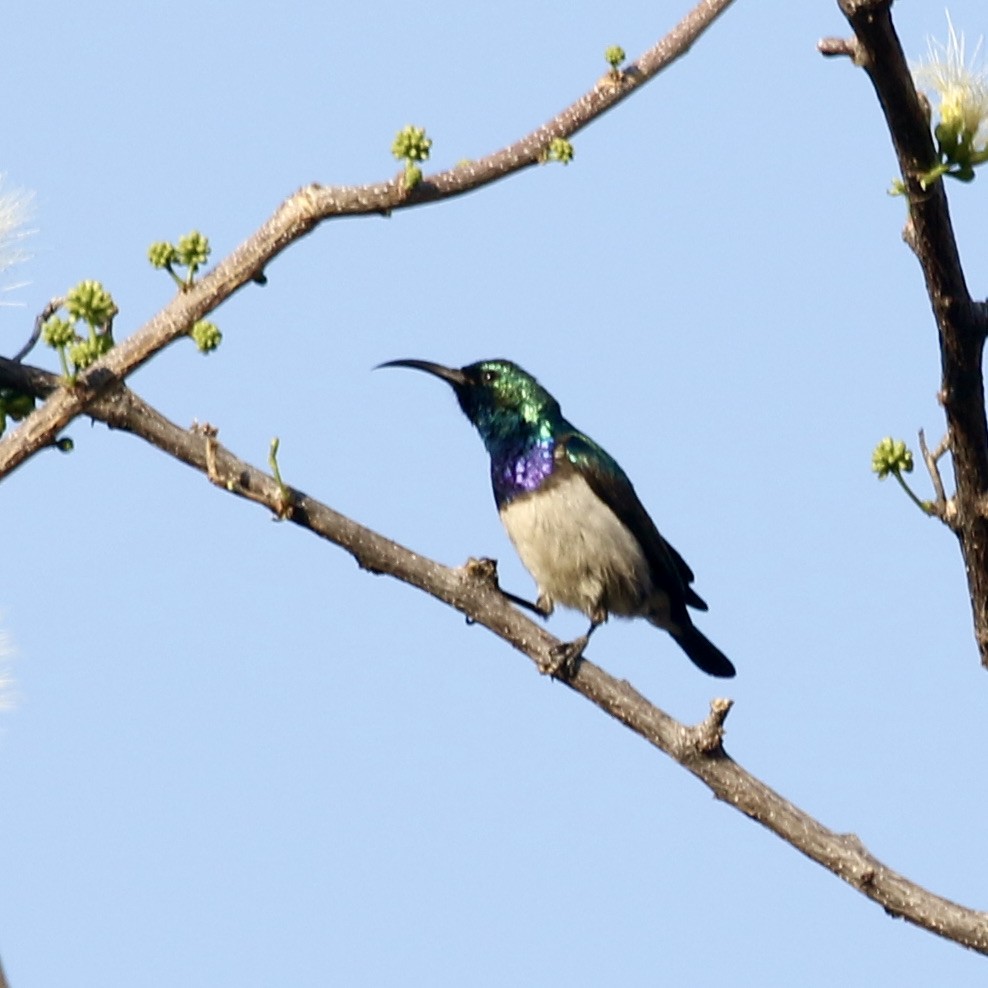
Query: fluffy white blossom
[[15, 213], [958, 88]]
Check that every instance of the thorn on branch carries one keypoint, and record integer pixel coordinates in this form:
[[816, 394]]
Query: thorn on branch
[[943, 508], [841, 48], [708, 736]]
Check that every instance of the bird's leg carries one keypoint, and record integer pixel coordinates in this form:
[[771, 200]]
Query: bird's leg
[[563, 658]]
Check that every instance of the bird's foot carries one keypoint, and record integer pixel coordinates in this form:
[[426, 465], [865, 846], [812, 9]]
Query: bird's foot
[[564, 658]]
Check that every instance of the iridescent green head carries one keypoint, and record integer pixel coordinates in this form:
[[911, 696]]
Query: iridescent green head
[[503, 401]]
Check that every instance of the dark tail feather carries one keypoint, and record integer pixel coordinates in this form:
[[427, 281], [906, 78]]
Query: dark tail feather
[[703, 653]]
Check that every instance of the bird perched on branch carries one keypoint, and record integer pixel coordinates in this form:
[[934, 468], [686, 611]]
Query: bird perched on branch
[[572, 513]]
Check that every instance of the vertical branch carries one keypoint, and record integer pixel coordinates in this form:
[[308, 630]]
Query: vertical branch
[[961, 323]]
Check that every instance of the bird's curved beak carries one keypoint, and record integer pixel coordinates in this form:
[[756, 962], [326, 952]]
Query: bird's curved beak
[[451, 375]]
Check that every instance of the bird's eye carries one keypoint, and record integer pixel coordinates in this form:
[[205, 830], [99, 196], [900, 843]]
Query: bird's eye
[[488, 376]]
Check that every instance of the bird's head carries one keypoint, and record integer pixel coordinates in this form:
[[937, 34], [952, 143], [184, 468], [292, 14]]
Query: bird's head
[[500, 399]]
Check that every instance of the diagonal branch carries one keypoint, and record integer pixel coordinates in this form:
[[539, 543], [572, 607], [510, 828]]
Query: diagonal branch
[[962, 323], [473, 591], [302, 212]]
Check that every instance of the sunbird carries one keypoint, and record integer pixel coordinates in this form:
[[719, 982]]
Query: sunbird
[[572, 513]]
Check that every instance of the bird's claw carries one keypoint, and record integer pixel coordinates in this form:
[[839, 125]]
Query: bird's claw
[[563, 658]]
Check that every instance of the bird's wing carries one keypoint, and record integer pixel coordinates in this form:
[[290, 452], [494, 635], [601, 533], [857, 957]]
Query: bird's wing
[[611, 484]]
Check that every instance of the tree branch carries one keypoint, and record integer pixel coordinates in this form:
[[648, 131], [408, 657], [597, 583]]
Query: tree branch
[[962, 323], [312, 204], [472, 590]]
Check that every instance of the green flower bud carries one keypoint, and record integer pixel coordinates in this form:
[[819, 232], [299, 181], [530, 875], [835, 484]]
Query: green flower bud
[[615, 56], [411, 144], [162, 254], [91, 302], [58, 333], [560, 150], [193, 249], [82, 354], [88, 351], [891, 456], [206, 335]]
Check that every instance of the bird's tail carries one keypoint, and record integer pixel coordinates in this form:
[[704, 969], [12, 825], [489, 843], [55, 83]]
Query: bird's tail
[[703, 653]]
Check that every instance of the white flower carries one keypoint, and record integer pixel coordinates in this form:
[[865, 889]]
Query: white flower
[[962, 88], [15, 212]]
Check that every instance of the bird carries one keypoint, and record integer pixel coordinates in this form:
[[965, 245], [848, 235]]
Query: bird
[[573, 515]]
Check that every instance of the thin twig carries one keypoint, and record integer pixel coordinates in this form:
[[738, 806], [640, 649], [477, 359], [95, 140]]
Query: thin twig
[[839, 47], [933, 468], [43, 316]]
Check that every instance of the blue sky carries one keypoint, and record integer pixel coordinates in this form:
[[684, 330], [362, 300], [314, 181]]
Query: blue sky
[[235, 758]]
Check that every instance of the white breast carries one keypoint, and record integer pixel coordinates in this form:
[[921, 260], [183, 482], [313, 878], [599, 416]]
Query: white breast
[[577, 550]]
